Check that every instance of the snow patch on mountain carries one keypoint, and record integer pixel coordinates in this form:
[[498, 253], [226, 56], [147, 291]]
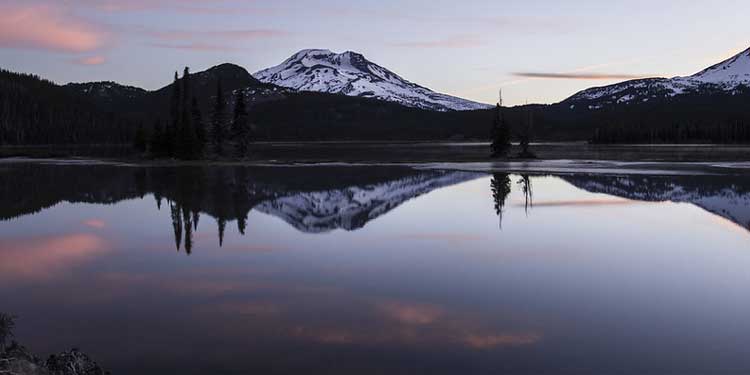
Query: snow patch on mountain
[[725, 77], [351, 74]]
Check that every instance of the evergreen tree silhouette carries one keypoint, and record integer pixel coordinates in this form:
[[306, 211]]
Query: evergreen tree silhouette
[[526, 188], [241, 126], [196, 217], [158, 140], [218, 120], [171, 134], [140, 141], [500, 186], [187, 140], [222, 223], [158, 198], [500, 134], [187, 218], [176, 223], [200, 129], [525, 134]]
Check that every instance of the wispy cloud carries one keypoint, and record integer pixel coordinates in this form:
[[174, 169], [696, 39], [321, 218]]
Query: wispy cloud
[[587, 76], [234, 35], [175, 6], [48, 27], [451, 42], [197, 47]]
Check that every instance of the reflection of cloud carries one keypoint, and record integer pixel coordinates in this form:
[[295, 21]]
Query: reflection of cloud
[[589, 76], [47, 27], [95, 223], [45, 257], [582, 202], [255, 248], [478, 341], [409, 313], [441, 237]]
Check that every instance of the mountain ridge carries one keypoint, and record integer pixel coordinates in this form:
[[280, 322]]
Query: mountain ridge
[[724, 77]]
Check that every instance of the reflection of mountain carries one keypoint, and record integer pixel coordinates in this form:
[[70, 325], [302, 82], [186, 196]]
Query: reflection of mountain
[[312, 200], [352, 207], [726, 196]]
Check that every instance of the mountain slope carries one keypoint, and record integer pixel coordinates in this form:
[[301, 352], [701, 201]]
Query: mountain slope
[[726, 77], [351, 74]]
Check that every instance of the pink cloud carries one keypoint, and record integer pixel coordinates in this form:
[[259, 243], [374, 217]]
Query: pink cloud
[[47, 27], [177, 6], [95, 223]]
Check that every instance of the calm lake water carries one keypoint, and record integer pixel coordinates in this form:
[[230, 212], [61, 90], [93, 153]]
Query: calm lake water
[[352, 270]]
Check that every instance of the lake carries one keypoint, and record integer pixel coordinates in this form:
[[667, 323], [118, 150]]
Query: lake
[[377, 269]]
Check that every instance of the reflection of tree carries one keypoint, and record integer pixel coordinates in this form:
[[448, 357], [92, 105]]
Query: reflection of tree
[[310, 199], [500, 185], [176, 223], [525, 183], [187, 218]]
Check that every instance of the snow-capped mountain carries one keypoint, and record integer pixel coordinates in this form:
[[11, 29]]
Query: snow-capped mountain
[[351, 74], [726, 77]]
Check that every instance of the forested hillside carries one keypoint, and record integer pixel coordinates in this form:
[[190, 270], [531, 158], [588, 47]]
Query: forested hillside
[[36, 111]]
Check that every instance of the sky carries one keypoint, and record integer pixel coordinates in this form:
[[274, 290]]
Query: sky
[[536, 51]]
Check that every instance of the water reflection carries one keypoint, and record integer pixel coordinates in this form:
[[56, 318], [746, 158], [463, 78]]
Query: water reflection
[[725, 196], [396, 284], [312, 200]]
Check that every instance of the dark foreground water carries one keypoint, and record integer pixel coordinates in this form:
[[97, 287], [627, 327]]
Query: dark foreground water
[[353, 270]]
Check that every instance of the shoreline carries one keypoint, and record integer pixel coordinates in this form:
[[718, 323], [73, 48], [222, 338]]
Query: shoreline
[[401, 153]]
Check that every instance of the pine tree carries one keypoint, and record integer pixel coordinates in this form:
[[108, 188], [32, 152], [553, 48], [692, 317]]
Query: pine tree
[[500, 134], [241, 126], [158, 140], [200, 129], [139, 140], [173, 125], [187, 140], [525, 135], [218, 132]]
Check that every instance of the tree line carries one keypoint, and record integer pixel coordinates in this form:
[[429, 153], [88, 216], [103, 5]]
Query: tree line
[[735, 131], [187, 135], [37, 111]]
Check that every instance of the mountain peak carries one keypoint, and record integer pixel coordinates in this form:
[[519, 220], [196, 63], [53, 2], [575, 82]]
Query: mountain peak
[[350, 73], [732, 71], [726, 77]]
